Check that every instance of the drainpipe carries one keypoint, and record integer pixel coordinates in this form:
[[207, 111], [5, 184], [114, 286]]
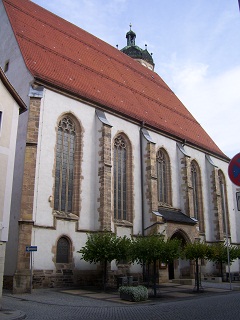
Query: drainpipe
[[142, 175]]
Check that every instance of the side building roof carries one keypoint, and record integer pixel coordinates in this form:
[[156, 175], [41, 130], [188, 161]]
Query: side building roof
[[67, 58], [12, 91]]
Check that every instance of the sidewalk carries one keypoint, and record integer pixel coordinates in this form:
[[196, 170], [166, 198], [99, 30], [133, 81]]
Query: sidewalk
[[91, 297]]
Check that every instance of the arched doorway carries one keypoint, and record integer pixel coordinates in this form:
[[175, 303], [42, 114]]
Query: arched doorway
[[180, 268]]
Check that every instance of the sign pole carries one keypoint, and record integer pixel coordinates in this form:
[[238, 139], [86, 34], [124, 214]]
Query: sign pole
[[31, 272], [30, 250], [226, 226]]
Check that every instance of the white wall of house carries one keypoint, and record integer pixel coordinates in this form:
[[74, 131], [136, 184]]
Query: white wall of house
[[8, 133], [53, 106], [9, 51], [44, 181]]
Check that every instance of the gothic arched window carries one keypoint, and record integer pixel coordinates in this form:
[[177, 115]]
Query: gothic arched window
[[194, 178], [63, 250], [163, 177], [67, 170], [223, 200], [197, 194], [122, 179]]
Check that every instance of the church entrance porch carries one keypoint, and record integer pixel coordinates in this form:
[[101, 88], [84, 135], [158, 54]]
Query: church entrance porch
[[180, 268]]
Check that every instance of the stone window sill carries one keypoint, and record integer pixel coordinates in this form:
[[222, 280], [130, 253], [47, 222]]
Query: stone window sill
[[65, 215], [123, 223]]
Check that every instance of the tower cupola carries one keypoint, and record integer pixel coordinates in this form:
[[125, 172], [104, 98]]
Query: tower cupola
[[135, 52], [131, 36]]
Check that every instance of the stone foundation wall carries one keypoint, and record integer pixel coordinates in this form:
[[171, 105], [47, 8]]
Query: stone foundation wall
[[65, 278], [8, 282], [69, 278]]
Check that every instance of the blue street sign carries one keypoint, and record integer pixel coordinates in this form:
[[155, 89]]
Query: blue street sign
[[31, 248]]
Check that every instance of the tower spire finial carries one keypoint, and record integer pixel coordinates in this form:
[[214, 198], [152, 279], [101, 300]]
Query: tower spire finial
[[130, 36]]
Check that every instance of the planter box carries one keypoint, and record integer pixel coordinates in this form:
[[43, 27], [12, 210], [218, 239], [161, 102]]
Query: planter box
[[127, 297]]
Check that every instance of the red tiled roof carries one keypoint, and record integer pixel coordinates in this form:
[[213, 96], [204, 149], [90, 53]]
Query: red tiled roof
[[63, 55]]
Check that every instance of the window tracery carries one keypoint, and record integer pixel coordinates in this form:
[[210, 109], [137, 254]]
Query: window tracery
[[120, 178], [163, 177], [223, 201], [65, 165]]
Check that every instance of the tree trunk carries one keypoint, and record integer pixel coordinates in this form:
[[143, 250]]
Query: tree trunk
[[154, 278], [105, 275], [221, 269], [197, 275]]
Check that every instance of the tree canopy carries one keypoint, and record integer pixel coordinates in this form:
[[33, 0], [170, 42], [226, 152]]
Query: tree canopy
[[104, 247]]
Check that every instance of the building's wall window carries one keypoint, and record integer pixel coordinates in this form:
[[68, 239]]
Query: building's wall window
[[194, 178], [163, 177], [68, 158], [63, 250], [197, 194], [223, 200], [122, 179], [63, 196]]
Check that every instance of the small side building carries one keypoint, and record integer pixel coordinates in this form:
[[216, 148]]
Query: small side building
[[11, 105]]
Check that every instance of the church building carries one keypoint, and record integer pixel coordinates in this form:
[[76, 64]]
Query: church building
[[105, 145]]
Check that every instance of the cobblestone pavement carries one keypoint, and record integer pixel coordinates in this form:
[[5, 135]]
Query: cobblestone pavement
[[173, 302]]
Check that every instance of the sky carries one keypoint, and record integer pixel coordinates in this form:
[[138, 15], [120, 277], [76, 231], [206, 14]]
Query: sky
[[195, 46]]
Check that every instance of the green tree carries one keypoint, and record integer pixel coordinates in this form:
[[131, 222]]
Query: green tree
[[195, 251], [123, 249], [219, 254], [104, 247], [150, 249]]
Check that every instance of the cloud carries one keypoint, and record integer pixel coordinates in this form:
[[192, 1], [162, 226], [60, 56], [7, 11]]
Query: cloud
[[214, 100], [95, 16]]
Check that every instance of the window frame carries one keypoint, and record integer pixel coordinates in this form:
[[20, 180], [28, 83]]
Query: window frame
[[163, 172], [59, 255], [196, 184], [223, 202], [122, 182], [195, 188], [76, 172]]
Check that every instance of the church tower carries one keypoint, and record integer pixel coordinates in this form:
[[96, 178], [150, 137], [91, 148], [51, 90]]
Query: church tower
[[135, 52]]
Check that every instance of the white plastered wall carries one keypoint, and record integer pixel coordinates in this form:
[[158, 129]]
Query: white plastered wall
[[53, 106]]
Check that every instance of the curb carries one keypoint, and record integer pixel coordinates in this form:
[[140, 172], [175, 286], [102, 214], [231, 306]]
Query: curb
[[6, 314]]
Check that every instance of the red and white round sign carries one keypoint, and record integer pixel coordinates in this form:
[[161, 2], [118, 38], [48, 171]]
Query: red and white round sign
[[234, 170]]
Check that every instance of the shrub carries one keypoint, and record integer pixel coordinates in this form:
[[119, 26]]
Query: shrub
[[139, 293]]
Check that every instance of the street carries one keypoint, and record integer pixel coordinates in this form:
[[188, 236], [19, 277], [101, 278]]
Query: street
[[60, 305]]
